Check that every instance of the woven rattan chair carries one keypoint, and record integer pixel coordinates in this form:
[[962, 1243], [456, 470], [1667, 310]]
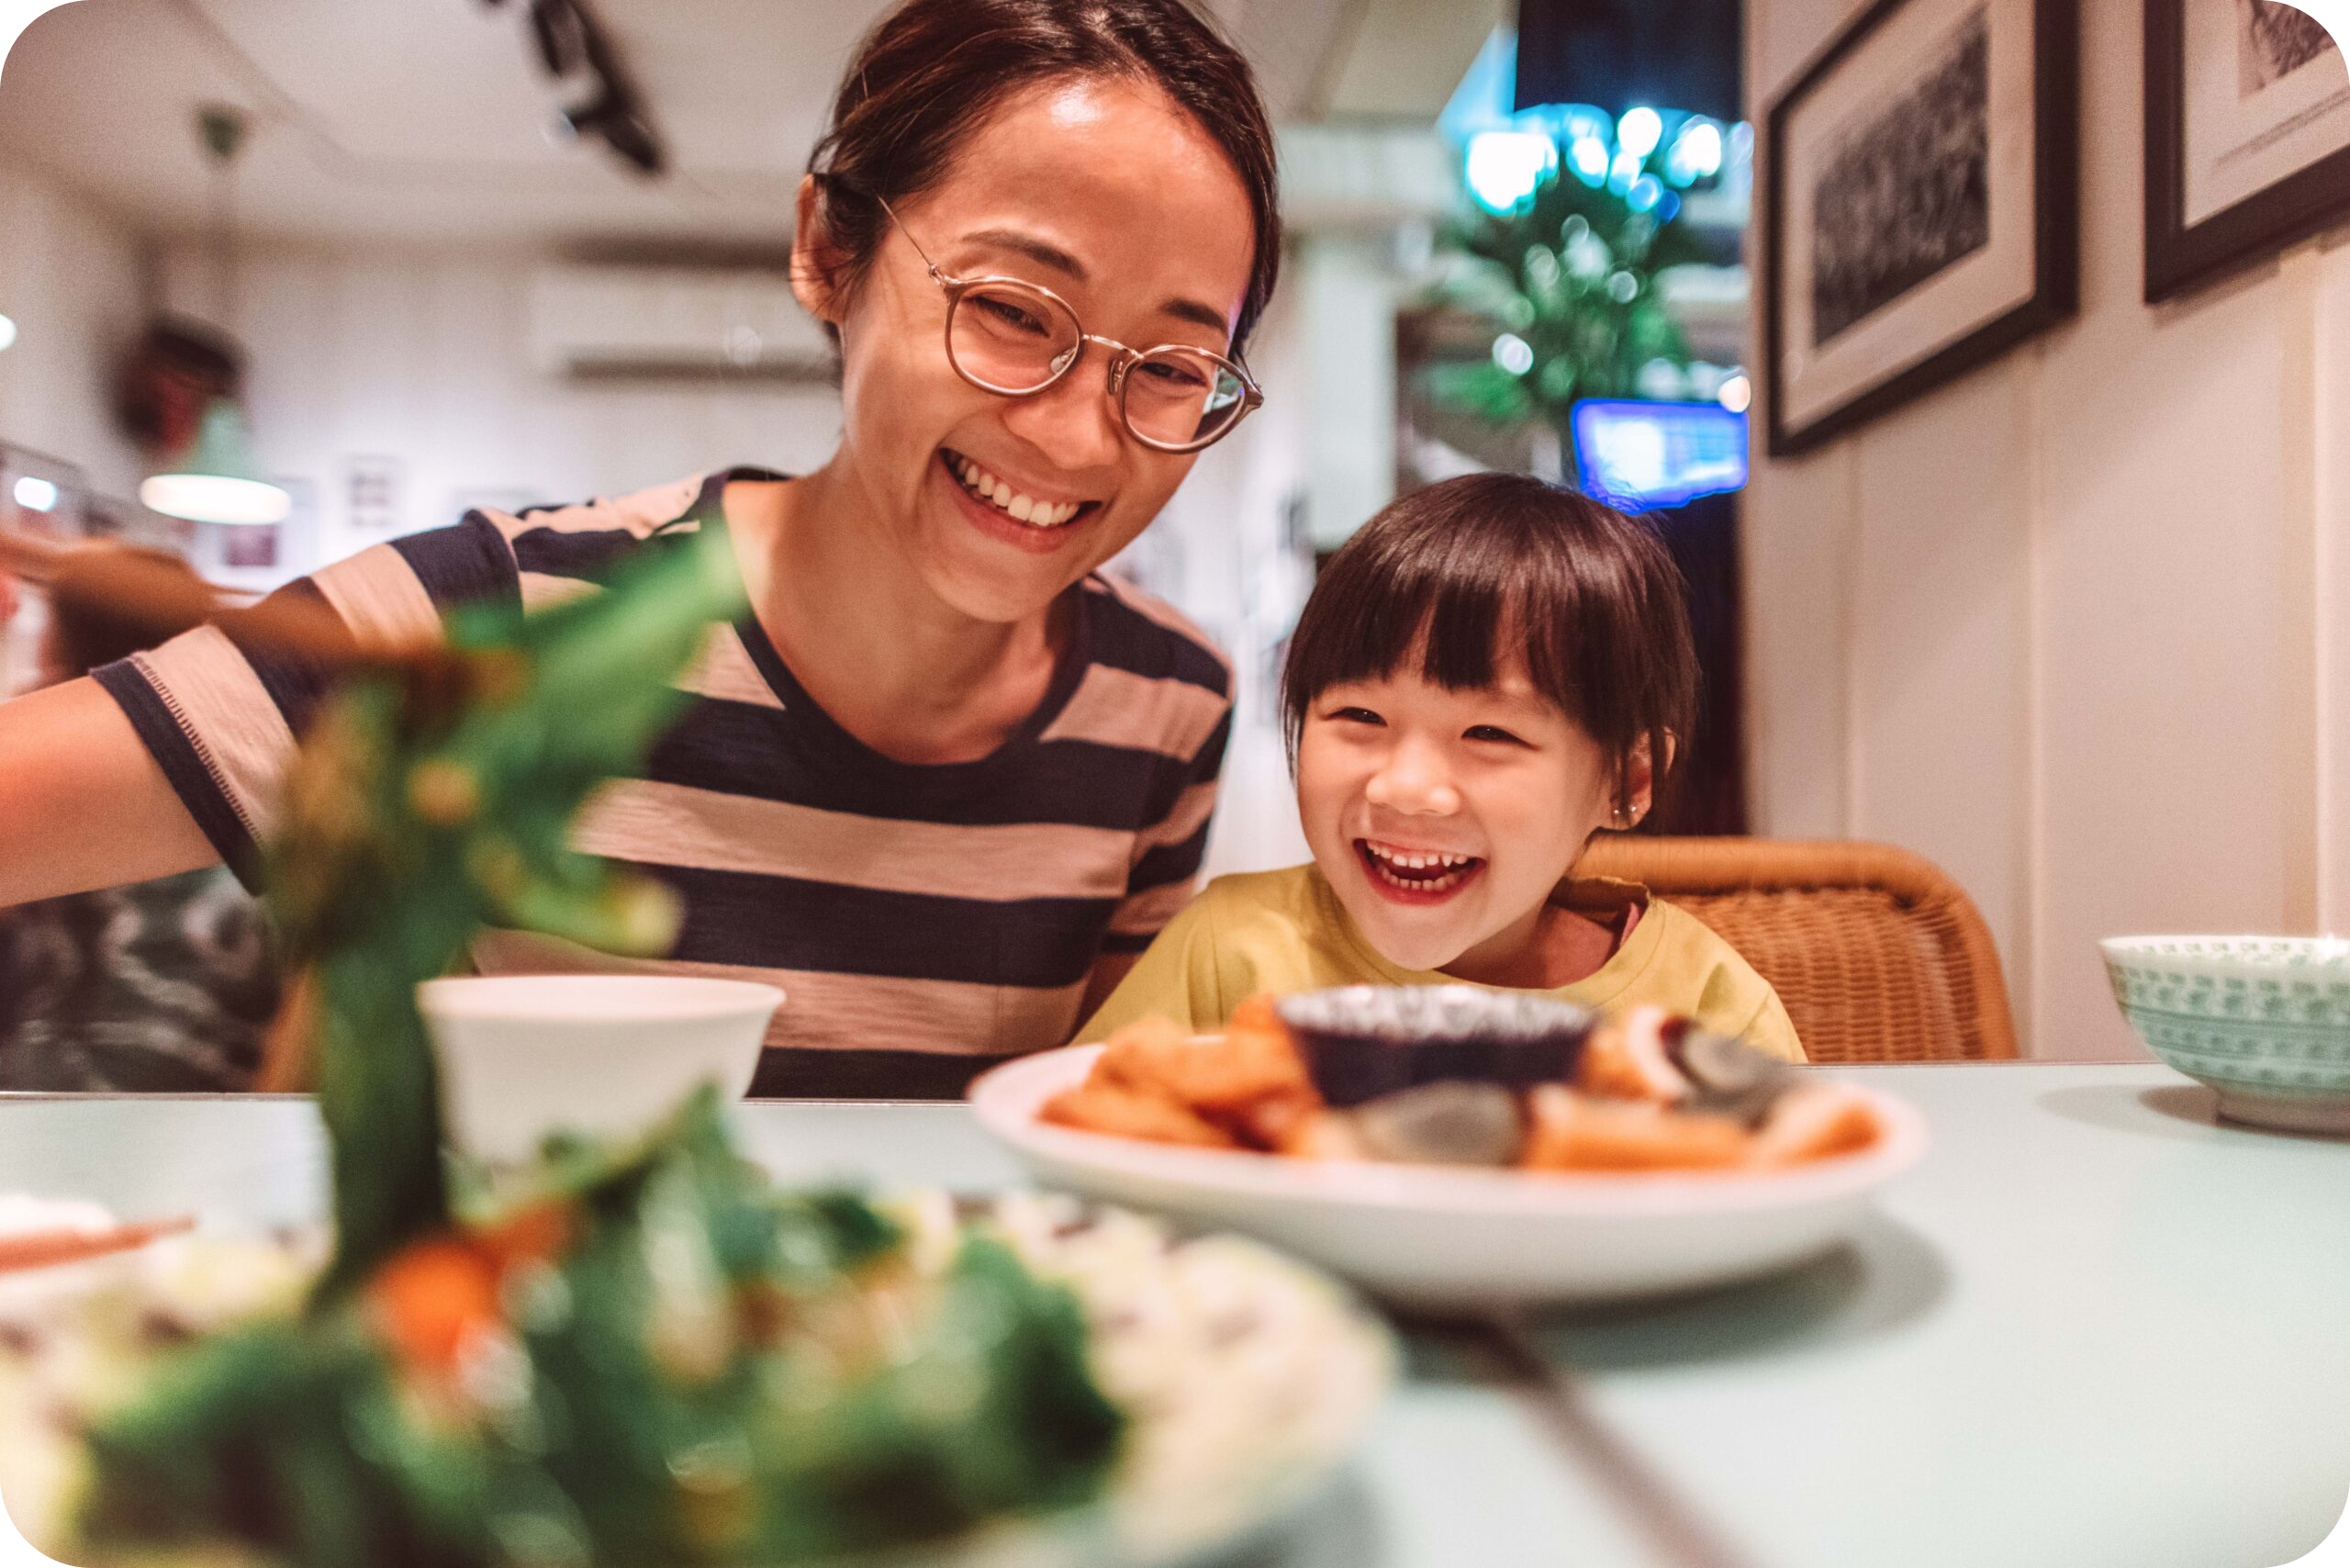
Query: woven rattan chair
[[1878, 954]]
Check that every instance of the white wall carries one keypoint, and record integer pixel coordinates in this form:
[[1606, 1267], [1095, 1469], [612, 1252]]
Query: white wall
[[70, 279], [423, 356], [1243, 578], [2077, 626]]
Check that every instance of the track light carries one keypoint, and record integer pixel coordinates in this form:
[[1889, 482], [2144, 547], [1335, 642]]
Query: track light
[[569, 44], [613, 115], [561, 34]]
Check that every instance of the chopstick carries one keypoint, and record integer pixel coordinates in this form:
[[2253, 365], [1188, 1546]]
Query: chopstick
[[42, 1248], [163, 602], [1680, 1535]]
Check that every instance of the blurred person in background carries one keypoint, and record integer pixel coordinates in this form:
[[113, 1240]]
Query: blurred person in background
[[163, 986]]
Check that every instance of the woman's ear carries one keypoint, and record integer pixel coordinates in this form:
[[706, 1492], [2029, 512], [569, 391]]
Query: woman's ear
[[815, 261]]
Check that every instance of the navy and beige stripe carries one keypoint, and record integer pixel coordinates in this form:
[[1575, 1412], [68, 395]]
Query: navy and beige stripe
[[924, 920]]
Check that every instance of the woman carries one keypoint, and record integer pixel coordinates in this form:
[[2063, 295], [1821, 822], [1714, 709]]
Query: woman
[[943, 783]]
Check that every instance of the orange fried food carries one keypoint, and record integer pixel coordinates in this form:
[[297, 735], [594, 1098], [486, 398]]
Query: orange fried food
[[1124, 1111], [1814, 1121], [1625, 1058], [1252, 1062], [1140, 1055], [1323, 1134], [1581, 1132], [1272, 1121]]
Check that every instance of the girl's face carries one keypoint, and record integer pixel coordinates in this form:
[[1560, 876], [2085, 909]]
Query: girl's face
[[1444, 819], [1105, 193]]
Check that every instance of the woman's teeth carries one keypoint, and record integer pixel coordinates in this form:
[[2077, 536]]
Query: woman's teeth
[[1423, 872], [1004, 498]]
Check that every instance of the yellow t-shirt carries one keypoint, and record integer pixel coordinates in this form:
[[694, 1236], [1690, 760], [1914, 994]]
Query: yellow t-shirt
[[1286, 931]]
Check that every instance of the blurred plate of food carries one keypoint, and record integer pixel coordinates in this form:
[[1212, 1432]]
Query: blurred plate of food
[[37, 1233], [679, 1365], [1450, 1149]]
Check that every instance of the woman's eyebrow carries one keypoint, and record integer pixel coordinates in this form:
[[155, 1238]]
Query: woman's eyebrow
[[1045, 253]]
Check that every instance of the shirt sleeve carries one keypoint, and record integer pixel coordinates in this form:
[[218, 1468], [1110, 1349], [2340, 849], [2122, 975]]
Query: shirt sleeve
[[222, 716], [1177, 979], [1704, 977], [1169, 853], [1771, 1030]]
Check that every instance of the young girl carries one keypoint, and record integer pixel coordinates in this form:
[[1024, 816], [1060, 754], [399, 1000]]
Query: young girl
[[1489, 672]]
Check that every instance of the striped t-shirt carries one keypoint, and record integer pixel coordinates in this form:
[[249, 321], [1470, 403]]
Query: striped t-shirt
[[922, 919]]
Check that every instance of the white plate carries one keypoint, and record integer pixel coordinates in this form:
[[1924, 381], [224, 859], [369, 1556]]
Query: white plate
[[1249, 1380], [1451, 1240]]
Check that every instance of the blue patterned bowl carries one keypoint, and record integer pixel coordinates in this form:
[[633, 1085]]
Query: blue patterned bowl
[[2263, 1020]]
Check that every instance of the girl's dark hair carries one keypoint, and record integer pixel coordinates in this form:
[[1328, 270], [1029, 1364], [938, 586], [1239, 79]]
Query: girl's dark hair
[[931, 70], [1586, 596]]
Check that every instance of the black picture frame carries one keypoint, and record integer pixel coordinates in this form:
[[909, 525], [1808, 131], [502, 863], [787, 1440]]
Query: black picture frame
[[2055, 225], [2180, 256]]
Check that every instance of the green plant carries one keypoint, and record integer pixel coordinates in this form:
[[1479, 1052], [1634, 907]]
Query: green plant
[[1568, 280]]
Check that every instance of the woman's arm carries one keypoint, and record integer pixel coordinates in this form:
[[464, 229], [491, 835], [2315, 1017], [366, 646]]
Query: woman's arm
[[81, 804]]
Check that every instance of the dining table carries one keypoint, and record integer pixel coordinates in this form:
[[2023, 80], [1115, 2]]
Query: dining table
[[2096, 1326]]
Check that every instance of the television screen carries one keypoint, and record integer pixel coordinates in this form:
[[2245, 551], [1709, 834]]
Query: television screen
[[1615, 54], [1640, 456]]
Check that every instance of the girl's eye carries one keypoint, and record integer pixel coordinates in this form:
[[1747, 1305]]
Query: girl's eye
[[1356, 716], [1492, 733]]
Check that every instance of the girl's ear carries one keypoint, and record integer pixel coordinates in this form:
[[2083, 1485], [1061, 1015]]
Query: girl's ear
[[1636, 785], [815, 260]]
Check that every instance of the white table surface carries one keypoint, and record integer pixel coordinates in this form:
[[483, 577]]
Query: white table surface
[[2094, 1327]]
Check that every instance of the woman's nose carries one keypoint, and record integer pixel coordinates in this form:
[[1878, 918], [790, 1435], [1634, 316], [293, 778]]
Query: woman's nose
[[1413, 782], [1075, 422]]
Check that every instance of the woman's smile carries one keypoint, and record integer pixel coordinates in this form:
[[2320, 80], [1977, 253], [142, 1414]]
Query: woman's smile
[[996, 508]]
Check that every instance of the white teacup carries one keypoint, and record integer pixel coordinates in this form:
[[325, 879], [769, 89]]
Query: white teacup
[[524, 1055]]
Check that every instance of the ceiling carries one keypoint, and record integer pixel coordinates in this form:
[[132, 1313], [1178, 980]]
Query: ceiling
[[424, 122]]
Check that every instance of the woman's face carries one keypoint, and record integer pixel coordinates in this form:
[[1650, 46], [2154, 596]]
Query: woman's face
[[1108, 195]]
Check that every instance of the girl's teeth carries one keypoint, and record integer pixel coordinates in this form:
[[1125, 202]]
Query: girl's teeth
[[1419, 862]]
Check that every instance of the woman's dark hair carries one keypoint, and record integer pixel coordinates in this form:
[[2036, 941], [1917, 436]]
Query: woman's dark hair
[[932, 69], [1586, 596]]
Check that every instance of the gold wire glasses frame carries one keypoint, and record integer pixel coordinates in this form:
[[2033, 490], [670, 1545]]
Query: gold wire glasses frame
[[1016, 339]]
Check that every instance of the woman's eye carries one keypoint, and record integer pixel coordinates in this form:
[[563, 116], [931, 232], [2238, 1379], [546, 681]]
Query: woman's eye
[[1011, 314], [1176, 376], [1492, 733]]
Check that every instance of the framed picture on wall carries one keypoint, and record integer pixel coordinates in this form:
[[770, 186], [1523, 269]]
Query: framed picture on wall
[[373, 494], [1921, 211], [2248, 136]]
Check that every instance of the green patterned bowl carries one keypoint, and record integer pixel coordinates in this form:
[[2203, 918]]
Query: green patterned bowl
[[2263, 1020]]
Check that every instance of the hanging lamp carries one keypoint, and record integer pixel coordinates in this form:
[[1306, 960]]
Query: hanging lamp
[[213, 478]]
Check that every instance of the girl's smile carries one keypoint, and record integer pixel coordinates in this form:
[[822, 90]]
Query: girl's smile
[[1408, 876], [1444, 819]]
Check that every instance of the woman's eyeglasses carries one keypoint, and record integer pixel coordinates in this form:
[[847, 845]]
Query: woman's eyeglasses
[[1017, 339]]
